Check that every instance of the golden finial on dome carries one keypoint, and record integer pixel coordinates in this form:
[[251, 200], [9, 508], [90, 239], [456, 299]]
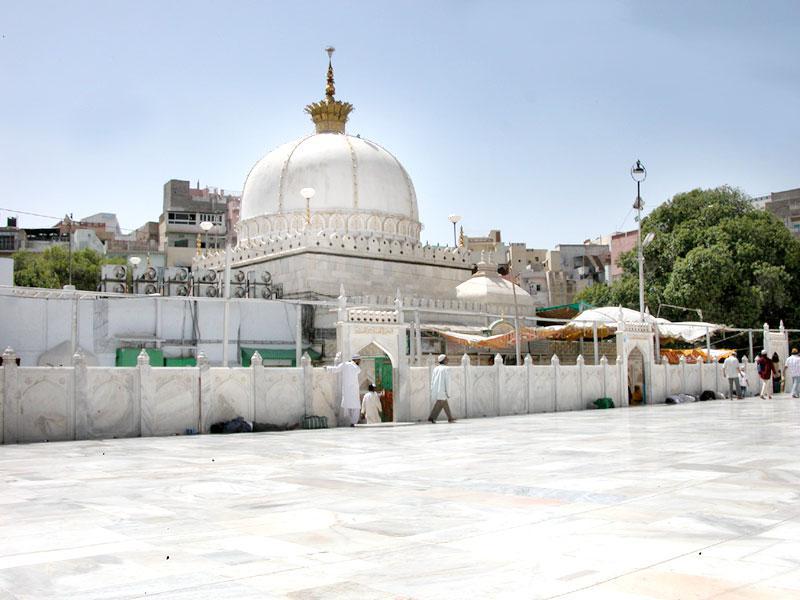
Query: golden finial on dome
[[330, 89], [329, 115]]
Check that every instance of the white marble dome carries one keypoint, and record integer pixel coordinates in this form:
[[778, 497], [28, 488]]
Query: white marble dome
[[360, 189]]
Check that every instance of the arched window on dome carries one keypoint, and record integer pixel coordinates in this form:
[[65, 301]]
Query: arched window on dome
[[337, 223], [317, 222], [355, 224], [390, 226]]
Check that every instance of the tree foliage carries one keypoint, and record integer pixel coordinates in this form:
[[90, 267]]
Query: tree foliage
[[50, 269], [713, 251]]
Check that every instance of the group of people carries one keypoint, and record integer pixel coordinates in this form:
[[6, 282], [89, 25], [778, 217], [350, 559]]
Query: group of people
[[370, 406], [769, 373]]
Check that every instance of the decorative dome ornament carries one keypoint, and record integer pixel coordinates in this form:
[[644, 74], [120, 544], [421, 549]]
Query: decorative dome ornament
[[329, 115]]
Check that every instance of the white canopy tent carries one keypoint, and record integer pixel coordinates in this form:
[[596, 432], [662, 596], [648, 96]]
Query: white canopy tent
[[610, 316]]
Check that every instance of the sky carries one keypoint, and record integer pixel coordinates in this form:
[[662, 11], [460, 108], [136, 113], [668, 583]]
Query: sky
[[520, 116]]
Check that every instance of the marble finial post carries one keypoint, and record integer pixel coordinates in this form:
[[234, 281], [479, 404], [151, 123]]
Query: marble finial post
[[10, 430], [202, 359], [528, 364], [555, 363], [604, 367], [256, 360], [308, 384], [466, 365], [143, 359], [80, 421]]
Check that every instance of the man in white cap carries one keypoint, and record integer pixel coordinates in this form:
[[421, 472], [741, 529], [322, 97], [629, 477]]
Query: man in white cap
[[440, 390], [351, 405]]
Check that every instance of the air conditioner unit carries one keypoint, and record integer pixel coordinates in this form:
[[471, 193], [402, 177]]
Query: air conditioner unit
[[113, 278], [260, 284], [146, 280], [205, 283], [176, 281]]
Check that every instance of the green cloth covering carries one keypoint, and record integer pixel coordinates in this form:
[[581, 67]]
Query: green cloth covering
[[126, 357], [284, 354], [187, 361]]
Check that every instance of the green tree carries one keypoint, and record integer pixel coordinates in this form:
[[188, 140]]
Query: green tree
[[712, 250], [50, 269]]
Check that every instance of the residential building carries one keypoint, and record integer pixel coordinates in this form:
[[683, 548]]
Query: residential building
[[184, 209], [784, 205], [621, 242]]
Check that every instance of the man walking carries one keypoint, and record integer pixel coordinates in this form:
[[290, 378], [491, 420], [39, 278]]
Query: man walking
[[730, 367], [765, 368], [440, 390], [792, 368], [351, 404]]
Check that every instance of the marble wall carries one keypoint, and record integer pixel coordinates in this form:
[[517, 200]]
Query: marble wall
[[80, 402]]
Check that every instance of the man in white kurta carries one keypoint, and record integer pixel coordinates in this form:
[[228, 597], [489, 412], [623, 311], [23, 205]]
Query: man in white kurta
[[440, 390], [371, 406], [731, 369], [351, 404]]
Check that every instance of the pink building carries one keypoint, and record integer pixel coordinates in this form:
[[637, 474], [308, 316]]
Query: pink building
[[621, 242]]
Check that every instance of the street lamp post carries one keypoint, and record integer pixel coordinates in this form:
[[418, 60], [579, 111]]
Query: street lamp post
[[206, 227], [134, 260], [308, 194], [639, 174], [454, 219]]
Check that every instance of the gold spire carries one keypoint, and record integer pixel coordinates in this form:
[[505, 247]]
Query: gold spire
[[329, 115]]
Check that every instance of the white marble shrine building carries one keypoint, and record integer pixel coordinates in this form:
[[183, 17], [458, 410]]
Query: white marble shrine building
[[360, 229]]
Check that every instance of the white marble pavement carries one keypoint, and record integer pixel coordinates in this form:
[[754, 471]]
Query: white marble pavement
[[689, 501]]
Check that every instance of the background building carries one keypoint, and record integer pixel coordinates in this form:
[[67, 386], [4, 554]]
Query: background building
[[184, 209], [784, 205]]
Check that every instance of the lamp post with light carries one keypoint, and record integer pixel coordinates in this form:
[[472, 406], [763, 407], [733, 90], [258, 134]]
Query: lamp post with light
[[454, 219], [308, 193], [639, 174], [206, 227]]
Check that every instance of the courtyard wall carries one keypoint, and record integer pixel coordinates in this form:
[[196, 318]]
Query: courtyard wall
[[81, 402]]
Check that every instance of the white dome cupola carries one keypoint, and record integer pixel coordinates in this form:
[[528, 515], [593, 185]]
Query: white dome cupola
[[360, 188]]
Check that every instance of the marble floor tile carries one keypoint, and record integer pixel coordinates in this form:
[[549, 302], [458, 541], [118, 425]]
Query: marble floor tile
[[689, 501]]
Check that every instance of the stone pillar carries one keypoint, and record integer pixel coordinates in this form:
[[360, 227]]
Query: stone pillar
[[699, 364], [682, 363], [580, 362], [604, 366], [81, 425], [10, 415], [465, 365], [528, 362], [147, 396], [308, 384], [418, 333], [257, 372], [498, 383], [555, 363], [402, 391], [206, 396]]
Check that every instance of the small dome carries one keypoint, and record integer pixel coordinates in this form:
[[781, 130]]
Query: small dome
[[486, 286]]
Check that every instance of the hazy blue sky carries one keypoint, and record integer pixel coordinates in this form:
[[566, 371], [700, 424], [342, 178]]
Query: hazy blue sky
[[521, 116]]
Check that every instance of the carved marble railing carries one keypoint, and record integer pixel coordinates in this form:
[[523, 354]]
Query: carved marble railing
[[376, 246]]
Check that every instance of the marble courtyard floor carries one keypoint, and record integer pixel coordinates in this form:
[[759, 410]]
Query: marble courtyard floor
[[690, 501]]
